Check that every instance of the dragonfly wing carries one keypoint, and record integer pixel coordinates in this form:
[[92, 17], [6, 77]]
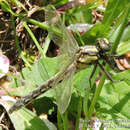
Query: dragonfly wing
[[60, 35], [68, 48], [63, 91]]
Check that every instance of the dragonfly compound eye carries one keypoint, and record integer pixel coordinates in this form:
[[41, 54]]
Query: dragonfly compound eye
[[103, 44]]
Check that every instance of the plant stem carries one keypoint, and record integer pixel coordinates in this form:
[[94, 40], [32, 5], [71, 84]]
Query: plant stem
[[17, 42], [59, 121], [79, 109], [65, 120], [33, 38], [97, 93]]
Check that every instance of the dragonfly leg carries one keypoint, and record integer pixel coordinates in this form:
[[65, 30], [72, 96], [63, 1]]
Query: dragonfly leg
[[94, 69], [114, 55], [108, 75]]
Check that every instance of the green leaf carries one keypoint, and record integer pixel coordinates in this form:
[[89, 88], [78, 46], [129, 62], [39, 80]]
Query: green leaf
[[46, 45], [83, 14], [30, 79], [114, 110], [24, 119], [98, 30], [123, 48], [119, 27], [123, 75], [81, 81], [44, 105], [59, 3], [126, 34], [6, 7], [113, 10], [122, 87], [114, 102], [20, 4]]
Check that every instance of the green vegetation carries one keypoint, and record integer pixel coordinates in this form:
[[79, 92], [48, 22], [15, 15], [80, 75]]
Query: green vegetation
[[108, 101]]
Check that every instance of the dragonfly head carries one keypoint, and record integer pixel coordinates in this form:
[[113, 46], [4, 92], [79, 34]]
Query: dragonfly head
[[103, 45]]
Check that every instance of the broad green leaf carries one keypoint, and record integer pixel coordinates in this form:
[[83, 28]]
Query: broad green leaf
[[81, 81], [122, 87], [123, 48], [123, 75], [22, 90], [114, 108], [126, 37], [98, 30], [24, 119], [114, 103], [39, 73]]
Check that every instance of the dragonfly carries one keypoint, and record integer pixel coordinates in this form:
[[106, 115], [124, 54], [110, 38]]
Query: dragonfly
[[71, 59]]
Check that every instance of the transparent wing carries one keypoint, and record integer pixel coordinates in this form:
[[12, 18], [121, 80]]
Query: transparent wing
[[68, 46], [63, 90], [59, 34]]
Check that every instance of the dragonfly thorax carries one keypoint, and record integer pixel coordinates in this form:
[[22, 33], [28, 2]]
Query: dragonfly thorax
[[88, 55]]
